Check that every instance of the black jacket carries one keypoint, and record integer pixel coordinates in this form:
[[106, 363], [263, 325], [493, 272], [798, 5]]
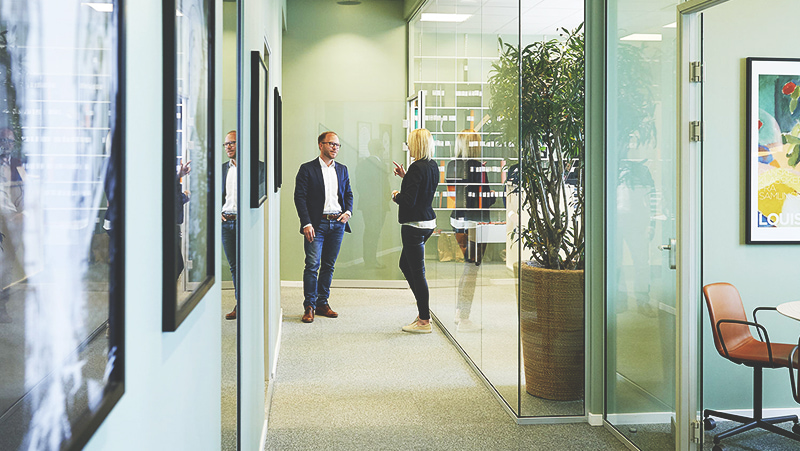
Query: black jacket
[[416, 192], [470, 189]]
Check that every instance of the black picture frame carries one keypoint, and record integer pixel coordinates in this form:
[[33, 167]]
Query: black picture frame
[[259, 99], [96, 340], [772, 150], [197, 18], [278, 146]]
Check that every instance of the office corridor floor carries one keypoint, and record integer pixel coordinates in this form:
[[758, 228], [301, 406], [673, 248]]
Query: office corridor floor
[[358, 382]]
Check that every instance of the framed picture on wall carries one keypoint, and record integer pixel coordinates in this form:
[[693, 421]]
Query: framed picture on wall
[[62, 228], [188, 169], [278, 155], [259, 99], [773, 151]]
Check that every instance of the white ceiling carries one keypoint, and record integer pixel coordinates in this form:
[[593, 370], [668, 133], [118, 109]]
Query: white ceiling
[[539, 17]]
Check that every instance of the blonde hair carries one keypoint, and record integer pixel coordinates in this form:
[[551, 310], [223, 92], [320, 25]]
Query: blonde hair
[[420, 144], [468, 144]]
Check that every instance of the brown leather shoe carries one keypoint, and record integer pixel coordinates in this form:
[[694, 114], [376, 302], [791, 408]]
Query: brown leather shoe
[[325, 310], [308, 317], [232, 314]]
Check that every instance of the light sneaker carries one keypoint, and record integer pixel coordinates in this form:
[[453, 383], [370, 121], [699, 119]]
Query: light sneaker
[[466, 325], [417, 328]]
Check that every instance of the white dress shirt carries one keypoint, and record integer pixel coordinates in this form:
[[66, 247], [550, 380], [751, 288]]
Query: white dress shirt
[[331, 188], [230, 190]]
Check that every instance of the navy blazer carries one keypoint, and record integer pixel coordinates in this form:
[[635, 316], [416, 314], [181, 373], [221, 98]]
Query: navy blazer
[[309, 193]]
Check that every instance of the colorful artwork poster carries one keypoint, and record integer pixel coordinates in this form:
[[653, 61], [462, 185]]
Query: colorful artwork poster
[[773, 151]]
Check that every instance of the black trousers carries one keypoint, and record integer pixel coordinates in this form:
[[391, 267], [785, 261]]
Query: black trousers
[[412, 263]]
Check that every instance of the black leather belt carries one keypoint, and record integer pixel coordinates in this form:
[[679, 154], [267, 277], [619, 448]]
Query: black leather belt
[[331, 217], [229, 216]]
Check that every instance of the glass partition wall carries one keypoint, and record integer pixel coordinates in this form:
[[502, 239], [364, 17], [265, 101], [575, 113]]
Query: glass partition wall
[[465, 59], [641, 194]]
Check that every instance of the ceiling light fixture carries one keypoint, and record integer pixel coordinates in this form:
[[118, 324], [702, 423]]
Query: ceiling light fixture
[[349, 2], [438, 17], [641, 37], [101, 7]]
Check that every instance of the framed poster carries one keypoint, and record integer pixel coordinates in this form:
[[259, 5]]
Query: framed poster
[[773, 151], [188, 169], [278, 151], [62, 235], [259, 99]]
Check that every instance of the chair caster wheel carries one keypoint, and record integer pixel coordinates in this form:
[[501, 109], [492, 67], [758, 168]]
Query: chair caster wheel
[[709, 424], [717, 448], [796, 428]]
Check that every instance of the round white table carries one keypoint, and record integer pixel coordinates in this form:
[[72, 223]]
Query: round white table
[[790, 309]]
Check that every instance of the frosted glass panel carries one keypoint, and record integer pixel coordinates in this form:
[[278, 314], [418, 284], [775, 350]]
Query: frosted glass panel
[[640, 187]]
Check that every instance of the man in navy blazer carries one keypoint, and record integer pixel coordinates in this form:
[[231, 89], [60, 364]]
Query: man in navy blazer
[[324, 203], [229, 205]]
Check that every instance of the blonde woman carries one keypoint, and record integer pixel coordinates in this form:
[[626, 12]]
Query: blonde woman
[[417, 220]]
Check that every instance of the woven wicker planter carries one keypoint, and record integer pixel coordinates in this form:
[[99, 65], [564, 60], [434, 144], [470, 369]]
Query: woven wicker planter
[[552, 320]]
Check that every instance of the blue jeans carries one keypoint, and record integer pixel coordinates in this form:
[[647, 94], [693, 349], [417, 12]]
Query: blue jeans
[[320, 257], [229, 245], [412, 263]]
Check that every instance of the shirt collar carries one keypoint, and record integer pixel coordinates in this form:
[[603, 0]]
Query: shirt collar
[[325, 166]]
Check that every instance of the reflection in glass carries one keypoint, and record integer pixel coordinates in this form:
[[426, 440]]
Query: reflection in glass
[[191, 147], [640, 187], [60, 208], [471, 256]]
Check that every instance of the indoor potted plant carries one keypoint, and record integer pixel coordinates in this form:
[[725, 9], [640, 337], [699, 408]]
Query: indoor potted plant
[[543, 85]]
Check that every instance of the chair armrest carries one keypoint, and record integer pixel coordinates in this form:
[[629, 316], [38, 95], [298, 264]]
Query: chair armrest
[[745, 323], [795, 382], [755, 311]]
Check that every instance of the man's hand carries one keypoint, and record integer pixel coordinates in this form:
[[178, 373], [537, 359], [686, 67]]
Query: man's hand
[[223, 217], [308, 232], [344, 217]]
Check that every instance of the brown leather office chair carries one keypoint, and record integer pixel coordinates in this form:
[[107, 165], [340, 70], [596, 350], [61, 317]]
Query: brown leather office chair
[[735, 342]]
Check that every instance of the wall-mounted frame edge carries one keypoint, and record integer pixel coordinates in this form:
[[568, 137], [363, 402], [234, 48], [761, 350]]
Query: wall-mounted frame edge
[[256, 123], [86, 427], [278, 138], [172, 314], [748, 237]]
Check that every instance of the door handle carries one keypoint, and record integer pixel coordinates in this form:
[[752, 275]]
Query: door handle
[[671, 248]]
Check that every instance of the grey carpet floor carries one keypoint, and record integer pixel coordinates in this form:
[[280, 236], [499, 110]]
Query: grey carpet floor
[[228, 401], [359, 382]]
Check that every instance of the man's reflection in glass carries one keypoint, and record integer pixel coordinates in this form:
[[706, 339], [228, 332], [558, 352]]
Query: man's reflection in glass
[[372, 182], [12, 177]]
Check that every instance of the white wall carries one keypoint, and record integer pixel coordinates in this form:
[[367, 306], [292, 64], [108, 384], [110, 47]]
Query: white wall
[[764, 274], [258, 236], [172, 385], [172, 380]]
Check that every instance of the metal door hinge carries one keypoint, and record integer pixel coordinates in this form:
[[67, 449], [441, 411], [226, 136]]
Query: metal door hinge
[[696, 72], [695, 431], [695, 131]]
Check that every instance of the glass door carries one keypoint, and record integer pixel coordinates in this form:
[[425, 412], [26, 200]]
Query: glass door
[[641, 228]]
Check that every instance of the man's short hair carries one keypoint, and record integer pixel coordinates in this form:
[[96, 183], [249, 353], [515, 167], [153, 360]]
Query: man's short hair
[[321, 138], [232, 132]]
